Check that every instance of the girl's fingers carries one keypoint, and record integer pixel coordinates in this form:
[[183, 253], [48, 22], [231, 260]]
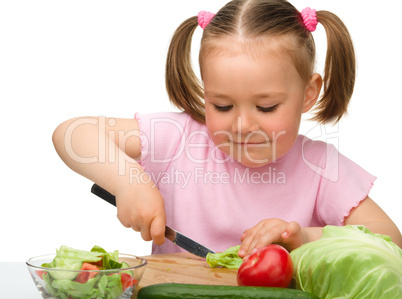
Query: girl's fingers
[[125, 224], [292, 229], [146, 234], [244, 235], [246, 240], [266, 237], [292, 236], [258, 238], [157, 229], [123, 220], [270, 231], [153, 229]]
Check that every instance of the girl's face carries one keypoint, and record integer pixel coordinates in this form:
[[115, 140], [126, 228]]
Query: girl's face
[[253, 104]]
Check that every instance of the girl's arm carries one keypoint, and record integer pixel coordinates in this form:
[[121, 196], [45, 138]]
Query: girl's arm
[[105, 150], [291, 235], [369, 214]]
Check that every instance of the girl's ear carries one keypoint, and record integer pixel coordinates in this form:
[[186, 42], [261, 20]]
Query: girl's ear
[[312, 92]]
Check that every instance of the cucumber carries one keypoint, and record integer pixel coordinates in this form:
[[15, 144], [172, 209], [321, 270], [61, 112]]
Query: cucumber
[[194, 291]]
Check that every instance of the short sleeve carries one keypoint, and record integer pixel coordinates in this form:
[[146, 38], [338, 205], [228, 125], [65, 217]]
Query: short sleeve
[[343, 185], [161, 138]]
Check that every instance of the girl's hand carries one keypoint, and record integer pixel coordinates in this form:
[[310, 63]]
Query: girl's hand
[[141, 207], [139, 203], [287, 234]]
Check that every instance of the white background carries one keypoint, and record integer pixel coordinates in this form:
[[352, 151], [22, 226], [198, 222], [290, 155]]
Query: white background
[[61, 59]]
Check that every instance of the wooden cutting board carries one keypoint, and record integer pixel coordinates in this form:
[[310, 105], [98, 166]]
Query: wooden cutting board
[[184, 268]]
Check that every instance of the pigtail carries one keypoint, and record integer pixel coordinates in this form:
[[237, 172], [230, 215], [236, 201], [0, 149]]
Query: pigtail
[[183, 86], [340, 69]]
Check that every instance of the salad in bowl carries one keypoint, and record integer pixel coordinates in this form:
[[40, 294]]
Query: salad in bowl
[[73, 274]]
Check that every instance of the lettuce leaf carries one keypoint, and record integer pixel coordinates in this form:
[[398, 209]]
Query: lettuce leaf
[[101, 286], [61, 284], [67, 256], [70, 259], [76, 289], [109, 260], [349, 262], [227, 259]]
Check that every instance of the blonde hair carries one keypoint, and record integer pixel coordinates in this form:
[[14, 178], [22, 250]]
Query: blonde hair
[[254, 20]]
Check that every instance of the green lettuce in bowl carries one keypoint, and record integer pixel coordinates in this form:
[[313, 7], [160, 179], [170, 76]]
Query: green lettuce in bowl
[[349, 262], [79, 274]]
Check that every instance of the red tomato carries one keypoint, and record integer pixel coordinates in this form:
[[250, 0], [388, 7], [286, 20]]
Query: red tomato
[[98, 264], [127, 280], [40, 273], [83, 277], [270, 266]]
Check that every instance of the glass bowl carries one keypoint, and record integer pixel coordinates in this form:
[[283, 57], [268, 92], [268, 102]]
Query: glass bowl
[[64, 284]]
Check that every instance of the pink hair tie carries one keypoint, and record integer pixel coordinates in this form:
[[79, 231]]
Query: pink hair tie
[[204, 17], [310, 18]]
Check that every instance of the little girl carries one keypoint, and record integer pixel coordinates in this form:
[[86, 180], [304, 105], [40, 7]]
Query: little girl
[[232, 167]]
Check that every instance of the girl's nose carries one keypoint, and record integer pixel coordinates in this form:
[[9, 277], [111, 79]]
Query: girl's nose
[[244, 123]]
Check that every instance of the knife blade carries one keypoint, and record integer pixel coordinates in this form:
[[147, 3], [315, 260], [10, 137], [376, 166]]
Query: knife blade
[[177, 238]]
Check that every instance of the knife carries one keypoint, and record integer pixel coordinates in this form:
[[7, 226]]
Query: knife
[[177, 238]]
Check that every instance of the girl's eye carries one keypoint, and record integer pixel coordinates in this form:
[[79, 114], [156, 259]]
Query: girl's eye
[[223, 108], [267, 109]]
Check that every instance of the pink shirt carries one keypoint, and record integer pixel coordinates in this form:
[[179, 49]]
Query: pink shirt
[[213, 199]]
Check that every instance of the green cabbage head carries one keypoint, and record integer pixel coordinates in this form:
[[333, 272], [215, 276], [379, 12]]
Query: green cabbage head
[[349, 262]]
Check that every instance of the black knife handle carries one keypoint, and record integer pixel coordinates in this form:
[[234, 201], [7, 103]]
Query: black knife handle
[[102, 193]]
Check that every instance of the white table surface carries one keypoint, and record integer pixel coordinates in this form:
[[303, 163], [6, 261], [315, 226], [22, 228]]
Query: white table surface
[[16, 283]]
